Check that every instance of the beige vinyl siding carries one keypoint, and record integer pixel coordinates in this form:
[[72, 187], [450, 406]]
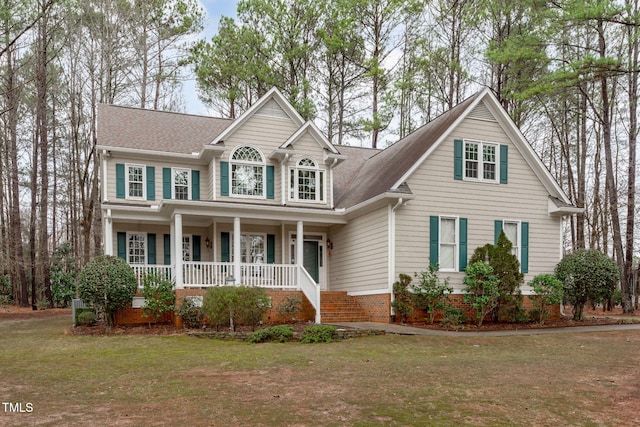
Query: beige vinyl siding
[[437, 193], [359, 259], [111, 177]]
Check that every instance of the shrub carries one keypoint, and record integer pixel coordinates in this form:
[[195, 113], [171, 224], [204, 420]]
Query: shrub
[[159, 295], [482, 287], [108, 283], [430, 294], [587, 275], [192, 315], [402, 304], [318, 333], [548, 289], [86, 318], [63, 275], [81, 310], [453, 317], [6, 295], [290, 308], [235, 305], [280, 333]]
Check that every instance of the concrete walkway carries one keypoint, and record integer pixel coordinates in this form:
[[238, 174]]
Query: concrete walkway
[[394, 328]]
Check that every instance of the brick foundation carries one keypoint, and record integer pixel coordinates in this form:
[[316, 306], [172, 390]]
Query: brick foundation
[[377, 307]]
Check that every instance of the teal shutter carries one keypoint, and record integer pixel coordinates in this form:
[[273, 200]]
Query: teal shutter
[[195, 185], [271, 193], [271, 249], [462, 250], [151, 183], [120, 191], [434, 236], [524, 250], [224, 178], [458, 150], [504, 164], [225, 249], [167, 249], [166, 183], [122, 245], [497, 228], [197, 246], [151, 249]]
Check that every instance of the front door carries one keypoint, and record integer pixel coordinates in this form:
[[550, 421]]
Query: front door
[[311, 259]]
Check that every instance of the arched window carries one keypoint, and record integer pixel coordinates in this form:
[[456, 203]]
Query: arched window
[[306, 181], [247, 172]]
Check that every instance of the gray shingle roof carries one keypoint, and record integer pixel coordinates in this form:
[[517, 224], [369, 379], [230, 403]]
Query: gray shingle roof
[[135, 128]]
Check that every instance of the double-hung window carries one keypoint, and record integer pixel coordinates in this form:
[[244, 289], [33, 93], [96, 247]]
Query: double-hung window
[[481, 160], [252, 248], [448, 244], [247, 172], [181, 178], [306, 182], [518, 234], [135, 181], [186, 248], [136, 248], [511, 230]]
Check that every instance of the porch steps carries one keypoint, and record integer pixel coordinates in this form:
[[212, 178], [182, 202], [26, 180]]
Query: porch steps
[[340, 307]]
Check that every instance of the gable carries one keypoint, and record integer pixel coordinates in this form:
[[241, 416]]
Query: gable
[[481, 112], [273, 110]]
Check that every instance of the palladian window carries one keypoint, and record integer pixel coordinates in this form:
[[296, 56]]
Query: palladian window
[[247, 172], [306, 181]]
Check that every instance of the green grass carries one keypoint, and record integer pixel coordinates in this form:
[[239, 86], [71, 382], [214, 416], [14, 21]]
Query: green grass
[[567, 379]]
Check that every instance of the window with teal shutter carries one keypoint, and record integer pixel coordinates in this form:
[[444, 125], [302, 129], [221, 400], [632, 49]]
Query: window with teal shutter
[[122, 245], [120, 182], [497, 228], [524, 254], [462, 250], [271, 249], [151, 183], [434, 232], [195, 185], [458, 148], [151, 248], [224, 178], [167, 249], [197, 252], [504, 164], [270, 182], [166, 183], [225, 246]]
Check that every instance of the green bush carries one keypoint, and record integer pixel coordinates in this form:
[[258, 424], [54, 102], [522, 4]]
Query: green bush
[[63, 275], [280, 333], [453, 317], [159, 295], [81, 310], [192, 315], [290, 308], [429, 293], [86, 318], [236, 305], [318, 333], [587, 275], [483, 289], [403, 304], [107, 283], [548, 289], [6, 295]]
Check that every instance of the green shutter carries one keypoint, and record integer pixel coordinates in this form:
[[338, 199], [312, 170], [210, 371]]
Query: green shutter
[[271, 193], [462, 251], [504, 163], [434, 235], [524, 250], [122, 245], [195, 184], [167, 249], [225, 243], [224, 178], [151, 249], [151, 183], [271, 249], [120, 191], [458, 151], [497, 228], [166, 183], [197, 244]]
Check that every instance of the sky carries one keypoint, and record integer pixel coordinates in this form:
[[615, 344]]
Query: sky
[[215, 9]]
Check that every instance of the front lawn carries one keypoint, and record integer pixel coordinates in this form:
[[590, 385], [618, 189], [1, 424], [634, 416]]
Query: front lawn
[[564, 379]]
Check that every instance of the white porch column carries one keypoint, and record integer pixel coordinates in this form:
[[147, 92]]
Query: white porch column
[[176, 250], [108, 234], [299, 247], [237, 257]]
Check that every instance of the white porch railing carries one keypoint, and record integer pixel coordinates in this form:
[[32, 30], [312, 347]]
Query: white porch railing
[[282, 276], [311, 290], [204, 274], [164, 271]]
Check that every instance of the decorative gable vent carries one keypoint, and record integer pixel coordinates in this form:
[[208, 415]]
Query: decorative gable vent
[[481, 112], [272, 109]]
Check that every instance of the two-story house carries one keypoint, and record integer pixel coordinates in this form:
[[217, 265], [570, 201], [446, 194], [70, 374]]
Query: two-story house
[[267, 200]]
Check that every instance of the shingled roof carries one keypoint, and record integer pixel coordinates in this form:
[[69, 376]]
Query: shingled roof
[[379, 173], [139, 129]]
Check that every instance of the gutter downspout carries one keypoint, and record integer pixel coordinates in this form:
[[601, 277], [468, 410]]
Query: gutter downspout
[[335, 161], [283, 179], [392, 251]]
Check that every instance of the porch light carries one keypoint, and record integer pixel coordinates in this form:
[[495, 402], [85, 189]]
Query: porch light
[[207, 242]]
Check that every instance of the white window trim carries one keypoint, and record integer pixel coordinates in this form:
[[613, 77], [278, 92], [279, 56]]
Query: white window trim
[[518, 244], [262, 164], [318, 171], [456, 249], [144, 181], [481, 145], [146, 246], [173, 182]]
